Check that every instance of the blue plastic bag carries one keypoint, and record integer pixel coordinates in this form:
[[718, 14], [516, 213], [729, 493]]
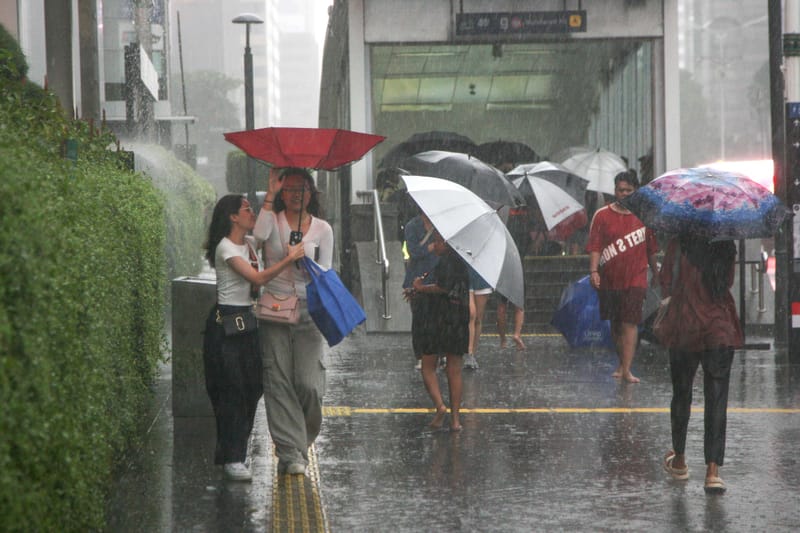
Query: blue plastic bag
[[578, 317], [331, 306]]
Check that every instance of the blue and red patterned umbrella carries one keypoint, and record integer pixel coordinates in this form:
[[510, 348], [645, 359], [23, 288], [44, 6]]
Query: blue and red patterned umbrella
[[710, 203]]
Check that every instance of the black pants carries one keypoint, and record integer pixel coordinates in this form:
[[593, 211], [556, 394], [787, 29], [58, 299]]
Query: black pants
[[234, 385], [716, 377]]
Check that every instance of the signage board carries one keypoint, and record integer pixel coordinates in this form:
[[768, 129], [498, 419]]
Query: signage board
[[520, 23], [148, 73]]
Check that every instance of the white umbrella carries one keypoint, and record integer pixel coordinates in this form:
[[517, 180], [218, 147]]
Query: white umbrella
[[574, 184], [599, 167], [474, 230], [562, 214]]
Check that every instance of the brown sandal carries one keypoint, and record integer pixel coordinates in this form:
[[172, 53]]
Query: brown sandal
[[676, 473], [714, 485]]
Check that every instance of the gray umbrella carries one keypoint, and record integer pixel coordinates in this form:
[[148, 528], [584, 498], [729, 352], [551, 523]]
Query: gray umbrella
[[484, 180]]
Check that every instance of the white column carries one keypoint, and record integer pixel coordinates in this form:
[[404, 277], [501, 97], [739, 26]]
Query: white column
[[359, 83], [671, 93]]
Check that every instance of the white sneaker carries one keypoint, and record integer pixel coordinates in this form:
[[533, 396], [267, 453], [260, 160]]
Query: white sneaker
[[237, 472], [418, 365], [470, 362]]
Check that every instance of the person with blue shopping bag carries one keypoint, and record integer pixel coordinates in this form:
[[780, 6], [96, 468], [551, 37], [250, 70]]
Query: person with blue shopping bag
[[231, 349], [293, 353]]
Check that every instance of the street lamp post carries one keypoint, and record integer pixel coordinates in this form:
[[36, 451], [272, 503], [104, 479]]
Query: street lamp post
[[247, 19]]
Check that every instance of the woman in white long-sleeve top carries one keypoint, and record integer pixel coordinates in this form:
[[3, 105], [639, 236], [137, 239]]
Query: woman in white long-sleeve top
[[293, 354], [232, 362]]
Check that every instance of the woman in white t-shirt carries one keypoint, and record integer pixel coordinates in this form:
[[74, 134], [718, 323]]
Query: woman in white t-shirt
[[232, 363], [294, 369]]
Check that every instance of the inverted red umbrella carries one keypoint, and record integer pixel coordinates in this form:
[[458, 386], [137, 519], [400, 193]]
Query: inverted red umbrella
[[320, 148]]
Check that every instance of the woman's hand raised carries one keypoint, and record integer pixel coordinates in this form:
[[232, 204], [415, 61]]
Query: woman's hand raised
[[274, 182]]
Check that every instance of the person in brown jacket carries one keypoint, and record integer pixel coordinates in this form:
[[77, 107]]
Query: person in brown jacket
[[700, 327]]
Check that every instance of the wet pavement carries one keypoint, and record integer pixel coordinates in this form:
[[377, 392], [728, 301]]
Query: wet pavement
[[551, 442]]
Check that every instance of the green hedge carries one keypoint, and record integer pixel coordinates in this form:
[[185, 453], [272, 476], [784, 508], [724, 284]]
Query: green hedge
[[81, 312], [190, 200]]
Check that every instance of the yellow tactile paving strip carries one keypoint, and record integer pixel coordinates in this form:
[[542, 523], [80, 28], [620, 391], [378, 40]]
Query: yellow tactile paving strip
[[335, 411], [296, 502]]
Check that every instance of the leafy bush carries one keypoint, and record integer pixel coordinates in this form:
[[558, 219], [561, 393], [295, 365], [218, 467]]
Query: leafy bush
[[189, 202], [12, 62], [81, 312]]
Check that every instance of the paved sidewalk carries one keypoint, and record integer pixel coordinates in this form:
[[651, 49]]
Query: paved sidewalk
[[550, 443]]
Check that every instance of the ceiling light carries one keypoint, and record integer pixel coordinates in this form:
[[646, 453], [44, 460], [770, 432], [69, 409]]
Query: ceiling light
[[500, 106], [390, 108], [427, 54]]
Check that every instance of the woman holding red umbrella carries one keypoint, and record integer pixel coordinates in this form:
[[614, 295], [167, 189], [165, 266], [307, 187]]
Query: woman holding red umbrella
[[294, 369]]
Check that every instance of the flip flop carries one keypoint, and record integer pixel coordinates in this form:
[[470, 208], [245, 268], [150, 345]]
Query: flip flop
[[676, 473], [714, 485]]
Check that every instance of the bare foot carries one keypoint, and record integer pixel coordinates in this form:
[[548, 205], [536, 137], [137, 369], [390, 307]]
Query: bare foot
[[502, 342], [617, 373], [630, 378], [455, 427], [438, 419], [518, 342]]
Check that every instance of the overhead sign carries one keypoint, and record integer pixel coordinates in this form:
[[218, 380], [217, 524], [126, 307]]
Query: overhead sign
[[511, 23]]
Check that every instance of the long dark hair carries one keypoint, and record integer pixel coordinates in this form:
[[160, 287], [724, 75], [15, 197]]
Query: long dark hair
[[221, 223], [279, 205], [713, 259]]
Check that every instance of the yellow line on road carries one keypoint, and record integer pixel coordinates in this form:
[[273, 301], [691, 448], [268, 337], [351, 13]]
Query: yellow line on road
[[335, 411]]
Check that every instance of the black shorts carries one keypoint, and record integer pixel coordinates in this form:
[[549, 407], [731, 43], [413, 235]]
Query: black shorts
[[622, 305]]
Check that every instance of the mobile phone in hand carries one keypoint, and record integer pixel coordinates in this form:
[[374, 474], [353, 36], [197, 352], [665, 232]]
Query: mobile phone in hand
[[295, 237]]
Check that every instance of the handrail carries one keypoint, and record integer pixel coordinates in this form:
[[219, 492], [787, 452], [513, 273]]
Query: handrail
[[382, 257]]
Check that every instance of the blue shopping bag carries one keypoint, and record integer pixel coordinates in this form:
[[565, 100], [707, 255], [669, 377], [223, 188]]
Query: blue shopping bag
[[331, 306], [578, 317]]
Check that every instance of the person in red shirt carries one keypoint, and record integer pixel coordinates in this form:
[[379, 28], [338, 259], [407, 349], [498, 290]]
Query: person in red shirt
[[620, 249]]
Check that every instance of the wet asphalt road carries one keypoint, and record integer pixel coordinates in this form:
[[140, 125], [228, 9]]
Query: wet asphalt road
[[550, 443]]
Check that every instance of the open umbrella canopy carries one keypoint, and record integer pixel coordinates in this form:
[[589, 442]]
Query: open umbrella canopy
[[599, 167], [506, 151], [320, 148], [474, 230], [710, 203], [425, 141], [554, 173], [487, 182], [562, 214], [565, 153]]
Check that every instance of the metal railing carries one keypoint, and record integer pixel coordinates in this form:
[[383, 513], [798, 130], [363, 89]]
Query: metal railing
[[381, 258], [757, 270]]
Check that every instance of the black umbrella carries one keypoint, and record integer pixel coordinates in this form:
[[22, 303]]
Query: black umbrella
[[429, 140], [488, 183], [506, 152]]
